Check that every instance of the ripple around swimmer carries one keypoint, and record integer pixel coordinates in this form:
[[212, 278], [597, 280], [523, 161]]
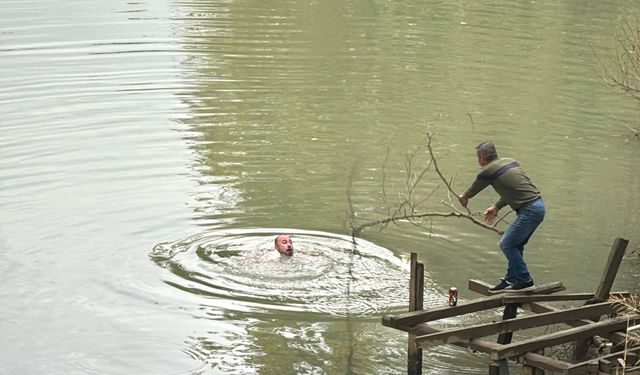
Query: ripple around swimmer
[[328, 273], [100, 359]]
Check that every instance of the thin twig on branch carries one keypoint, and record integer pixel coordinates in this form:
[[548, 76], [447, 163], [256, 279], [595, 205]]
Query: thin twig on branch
[[621, 72], [473, 219], [435, 165], [387, 220]]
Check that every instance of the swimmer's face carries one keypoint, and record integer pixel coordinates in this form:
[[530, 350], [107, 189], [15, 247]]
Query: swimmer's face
[[284, 245]]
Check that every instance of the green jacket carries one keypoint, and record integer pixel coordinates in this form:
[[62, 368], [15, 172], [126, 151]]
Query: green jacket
[[510, 182]]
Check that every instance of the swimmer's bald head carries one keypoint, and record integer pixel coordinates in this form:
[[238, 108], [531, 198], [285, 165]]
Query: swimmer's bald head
[[284, 244]]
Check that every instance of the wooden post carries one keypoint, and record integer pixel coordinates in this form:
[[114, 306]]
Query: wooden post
[[416, 298], [530, 370], [539, 371], [604, 288], [510, 311], [611, 269], [533, 370]]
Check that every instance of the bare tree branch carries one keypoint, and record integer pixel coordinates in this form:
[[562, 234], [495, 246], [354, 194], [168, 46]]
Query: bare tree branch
[[503, 216], [410, 201], [387, 220], [351, 213], [384, 175], [435, 165], [473, 219], [625, 74]]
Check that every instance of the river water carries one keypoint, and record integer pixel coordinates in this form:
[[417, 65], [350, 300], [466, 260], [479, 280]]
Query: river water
[[151, 151]]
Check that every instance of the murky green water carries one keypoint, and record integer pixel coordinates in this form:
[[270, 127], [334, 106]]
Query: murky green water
[[151, 151]]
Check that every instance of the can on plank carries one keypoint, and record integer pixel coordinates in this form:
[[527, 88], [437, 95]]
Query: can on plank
[[453, 296]]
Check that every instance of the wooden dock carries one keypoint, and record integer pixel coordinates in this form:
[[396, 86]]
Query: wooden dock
[[595, 316]]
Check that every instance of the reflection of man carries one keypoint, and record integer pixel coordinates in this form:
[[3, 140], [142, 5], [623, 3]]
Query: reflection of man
[[284, 244], [516, 190]]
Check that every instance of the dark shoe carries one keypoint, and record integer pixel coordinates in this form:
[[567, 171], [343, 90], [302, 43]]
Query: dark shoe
[[520, 286], [500, 287]]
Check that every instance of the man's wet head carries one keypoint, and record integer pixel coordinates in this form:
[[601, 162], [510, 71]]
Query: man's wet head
[[284, 244]]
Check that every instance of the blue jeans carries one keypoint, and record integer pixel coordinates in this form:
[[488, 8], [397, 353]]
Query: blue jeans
[[518, 234]]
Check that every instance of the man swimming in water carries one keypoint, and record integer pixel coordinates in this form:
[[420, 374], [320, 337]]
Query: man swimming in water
[[284, 245]]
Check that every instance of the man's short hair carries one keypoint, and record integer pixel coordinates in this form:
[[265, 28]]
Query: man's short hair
[[275, 241], [487, 150]]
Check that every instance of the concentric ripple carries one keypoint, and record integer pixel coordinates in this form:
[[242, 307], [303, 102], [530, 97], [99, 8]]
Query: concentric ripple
[[99, 359], [328, 273]]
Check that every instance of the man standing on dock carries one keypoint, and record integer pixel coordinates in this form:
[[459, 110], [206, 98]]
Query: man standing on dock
[[516, 190]]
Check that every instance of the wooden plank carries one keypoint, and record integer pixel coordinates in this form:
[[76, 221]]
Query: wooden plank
[[482, 287], [514, 324], [560, 337], [538, 370], [547, 288], [479, 286], [416, 284], [590, 368], [406, 320], [606, 361], [478, 345], [604, 288], [544, 363], [615, 337], [540, 308], [536, 307], [547, 297], [611, 268]]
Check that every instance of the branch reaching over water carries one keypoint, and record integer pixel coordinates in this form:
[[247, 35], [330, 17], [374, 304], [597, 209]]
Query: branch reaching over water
[[470, 216], [636, 134], [435, 164], [409, 218], [408, 208]]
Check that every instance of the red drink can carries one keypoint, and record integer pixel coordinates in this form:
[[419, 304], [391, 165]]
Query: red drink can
[[453, 296]]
